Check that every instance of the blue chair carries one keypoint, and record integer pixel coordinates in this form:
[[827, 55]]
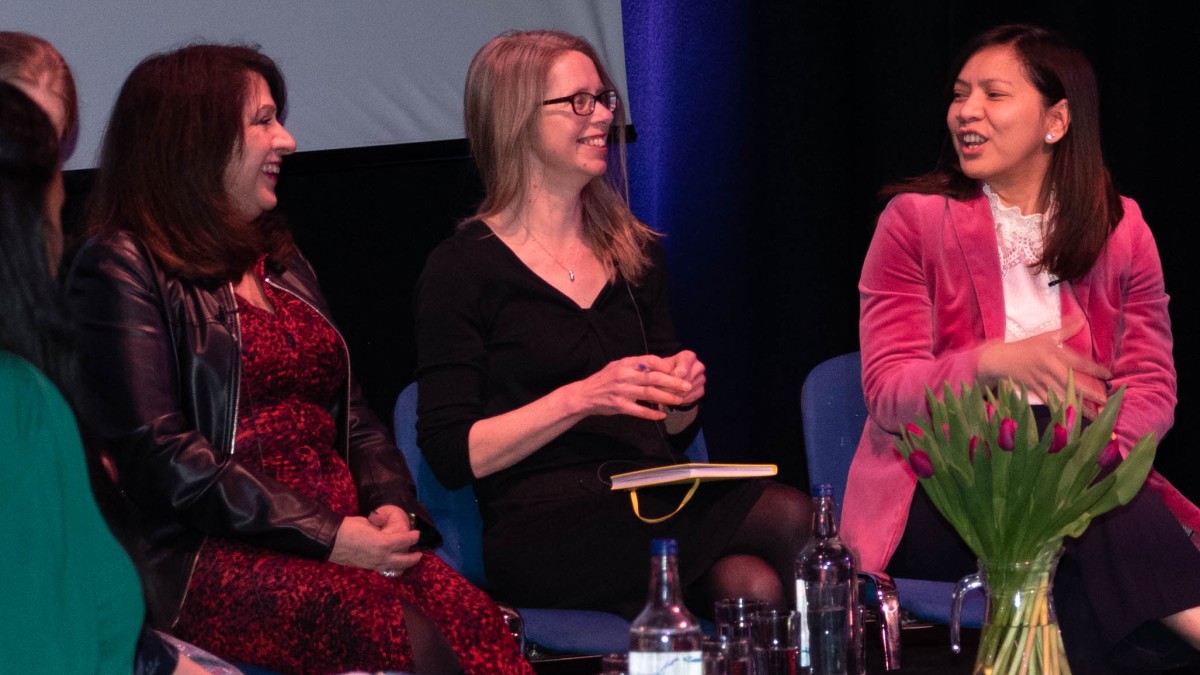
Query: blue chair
[[833, 413], [456, 514]]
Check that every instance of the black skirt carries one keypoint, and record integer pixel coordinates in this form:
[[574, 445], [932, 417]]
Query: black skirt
[[572, 542]]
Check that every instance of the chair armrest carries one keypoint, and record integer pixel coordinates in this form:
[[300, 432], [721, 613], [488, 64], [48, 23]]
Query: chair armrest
[[516, 624], [887, 598]]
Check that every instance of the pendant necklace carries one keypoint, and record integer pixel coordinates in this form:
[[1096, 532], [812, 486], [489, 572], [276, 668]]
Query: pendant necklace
[[570, 270]]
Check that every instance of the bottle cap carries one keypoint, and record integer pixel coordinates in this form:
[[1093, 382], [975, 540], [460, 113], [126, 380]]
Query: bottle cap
[[824, 490], [661, 547]]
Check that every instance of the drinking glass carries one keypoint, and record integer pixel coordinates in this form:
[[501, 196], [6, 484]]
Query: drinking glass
[[732, 616], [776, 642], [725, 656]]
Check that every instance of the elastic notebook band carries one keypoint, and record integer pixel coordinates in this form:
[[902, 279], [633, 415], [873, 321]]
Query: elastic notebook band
[[686, 498]]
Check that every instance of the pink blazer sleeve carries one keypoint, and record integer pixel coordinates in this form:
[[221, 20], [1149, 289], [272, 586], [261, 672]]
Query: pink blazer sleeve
[[921, 322]]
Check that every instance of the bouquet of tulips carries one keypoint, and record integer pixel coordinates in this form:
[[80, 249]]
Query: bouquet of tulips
[[1013, 493]]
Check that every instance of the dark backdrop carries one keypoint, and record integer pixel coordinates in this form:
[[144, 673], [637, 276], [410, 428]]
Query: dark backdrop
[[764, 131]]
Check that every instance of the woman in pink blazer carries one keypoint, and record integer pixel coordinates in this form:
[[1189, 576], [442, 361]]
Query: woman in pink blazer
[[1016, 258]]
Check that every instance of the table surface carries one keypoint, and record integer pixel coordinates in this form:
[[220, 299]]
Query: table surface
[[925, 651]]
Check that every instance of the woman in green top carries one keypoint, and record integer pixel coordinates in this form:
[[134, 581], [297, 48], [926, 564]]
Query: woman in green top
[[72, 602], [70, 599]]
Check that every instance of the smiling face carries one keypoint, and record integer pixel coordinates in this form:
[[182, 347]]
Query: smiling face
[[1002, 129], [572, 148], [253, 171]]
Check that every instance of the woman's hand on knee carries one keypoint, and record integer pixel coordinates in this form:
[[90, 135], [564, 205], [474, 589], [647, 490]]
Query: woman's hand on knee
[[359, 543]]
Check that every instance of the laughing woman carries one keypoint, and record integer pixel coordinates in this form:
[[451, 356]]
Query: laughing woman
[[278, 524], [1017, 259]]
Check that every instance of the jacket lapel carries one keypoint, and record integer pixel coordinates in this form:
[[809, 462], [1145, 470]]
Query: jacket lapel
[[971, 221]]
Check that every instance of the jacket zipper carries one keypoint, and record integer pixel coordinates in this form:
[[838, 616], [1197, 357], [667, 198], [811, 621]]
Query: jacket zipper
[[237, 381]]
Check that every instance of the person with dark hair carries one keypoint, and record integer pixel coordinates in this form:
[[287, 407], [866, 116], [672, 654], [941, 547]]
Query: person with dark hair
[[277, 520], [36, 327], [36, 68], [547, 360], [72, 598], [1016, 258]]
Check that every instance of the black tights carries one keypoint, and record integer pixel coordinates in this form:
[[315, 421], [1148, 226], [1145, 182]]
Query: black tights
[[761, 557]]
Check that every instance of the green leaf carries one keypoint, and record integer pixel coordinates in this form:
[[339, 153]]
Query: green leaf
[[1008, 505]]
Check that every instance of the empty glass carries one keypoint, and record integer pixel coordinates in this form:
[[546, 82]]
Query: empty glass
[[725, 656], [732, 616]]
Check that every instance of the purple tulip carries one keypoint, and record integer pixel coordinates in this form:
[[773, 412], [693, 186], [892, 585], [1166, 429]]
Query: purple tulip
[[1008, 434], [971, 445], [1110, 456], [991, 412], [1060, 438], [946, 431], [920, 463], [1070, 417], [914, 430]]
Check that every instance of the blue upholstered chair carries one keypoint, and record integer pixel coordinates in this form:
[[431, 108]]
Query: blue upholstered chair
[[570, 631], [833, 413]]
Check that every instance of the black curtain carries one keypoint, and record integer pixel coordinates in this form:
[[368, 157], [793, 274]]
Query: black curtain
[[849, 96]]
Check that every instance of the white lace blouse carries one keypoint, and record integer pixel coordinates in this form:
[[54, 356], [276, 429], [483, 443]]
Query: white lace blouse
[[1031, 303]]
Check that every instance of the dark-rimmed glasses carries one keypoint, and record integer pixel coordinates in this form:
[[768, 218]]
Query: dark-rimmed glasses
[[584, 103]]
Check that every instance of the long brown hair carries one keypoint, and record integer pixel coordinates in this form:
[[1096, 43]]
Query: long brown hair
[[28, 59], [505, 87], [1087, 206], [177, 123]]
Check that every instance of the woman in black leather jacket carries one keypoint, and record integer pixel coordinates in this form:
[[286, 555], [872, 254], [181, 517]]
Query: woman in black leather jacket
[[274, 520]]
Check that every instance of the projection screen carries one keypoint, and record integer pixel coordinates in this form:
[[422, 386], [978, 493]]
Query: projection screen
[[360, 73]]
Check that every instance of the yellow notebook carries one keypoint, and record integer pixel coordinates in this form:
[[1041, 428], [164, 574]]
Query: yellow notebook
[[687, 473]]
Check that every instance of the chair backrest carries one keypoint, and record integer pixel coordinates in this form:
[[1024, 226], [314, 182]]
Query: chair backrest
[[456, 512], [833, 413]]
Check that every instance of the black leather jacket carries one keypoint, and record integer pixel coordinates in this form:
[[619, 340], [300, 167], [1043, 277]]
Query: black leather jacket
[[161, 370]]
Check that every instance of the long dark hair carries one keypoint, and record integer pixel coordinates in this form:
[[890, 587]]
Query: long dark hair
[[1087, 206], [175, 126], [34, 322]]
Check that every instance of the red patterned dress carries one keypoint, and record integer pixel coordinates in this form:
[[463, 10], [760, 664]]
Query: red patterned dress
[[300, 615]]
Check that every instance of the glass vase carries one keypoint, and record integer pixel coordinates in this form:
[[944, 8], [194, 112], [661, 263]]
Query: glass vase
[[1020, 634]]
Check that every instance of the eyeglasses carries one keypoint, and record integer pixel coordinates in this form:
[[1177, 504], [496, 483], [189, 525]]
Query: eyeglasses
[[584, 103]]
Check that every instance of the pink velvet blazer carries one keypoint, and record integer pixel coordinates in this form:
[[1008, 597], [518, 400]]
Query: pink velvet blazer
[[931, 296]]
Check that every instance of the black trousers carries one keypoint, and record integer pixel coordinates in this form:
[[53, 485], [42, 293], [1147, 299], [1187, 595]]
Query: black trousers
[[1133, 566]]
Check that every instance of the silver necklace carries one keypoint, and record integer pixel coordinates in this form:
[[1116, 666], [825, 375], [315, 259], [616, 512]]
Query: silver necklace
[[570, 270]]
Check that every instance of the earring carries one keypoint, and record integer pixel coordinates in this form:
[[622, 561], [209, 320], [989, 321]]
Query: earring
[[1049, 137]]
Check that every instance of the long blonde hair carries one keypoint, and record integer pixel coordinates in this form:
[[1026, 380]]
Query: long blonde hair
[[505, 88]]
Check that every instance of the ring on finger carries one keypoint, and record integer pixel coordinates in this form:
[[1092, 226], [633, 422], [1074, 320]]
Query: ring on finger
[[389, 573]]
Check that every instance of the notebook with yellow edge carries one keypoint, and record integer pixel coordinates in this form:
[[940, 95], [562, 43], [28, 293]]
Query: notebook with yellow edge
[[686, 473]]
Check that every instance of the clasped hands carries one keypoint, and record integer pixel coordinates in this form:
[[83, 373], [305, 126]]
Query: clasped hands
[[382, 541], [626, 386]]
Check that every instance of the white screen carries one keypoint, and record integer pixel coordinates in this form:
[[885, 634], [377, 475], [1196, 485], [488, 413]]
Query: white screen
[[359, 73]]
